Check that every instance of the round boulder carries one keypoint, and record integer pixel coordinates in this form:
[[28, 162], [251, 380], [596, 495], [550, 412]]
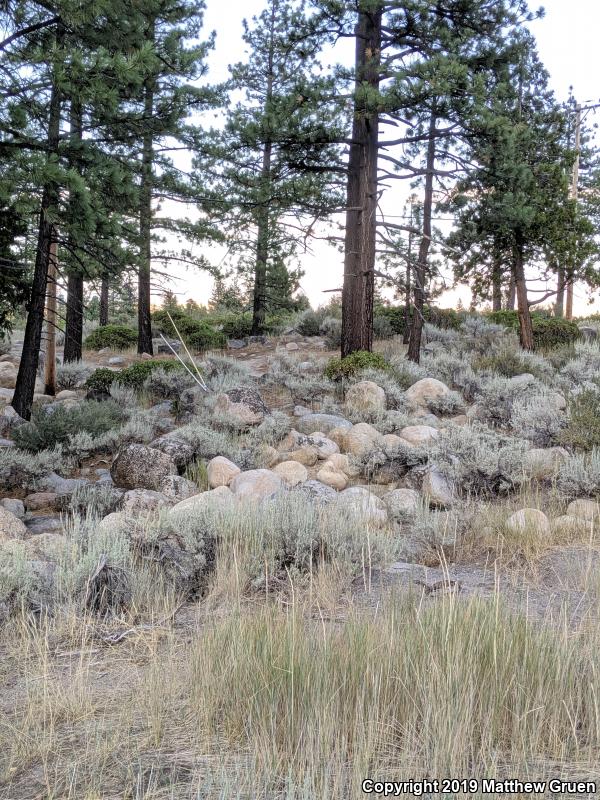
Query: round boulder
[[365, 397], [330, 476], [365, 503], [11, 526], [584, 509], [221, 471], [257, 484], [421, 393], [139, 467], [419, 435], [529, 519], [215, 499], [402, 503], [291, 472]]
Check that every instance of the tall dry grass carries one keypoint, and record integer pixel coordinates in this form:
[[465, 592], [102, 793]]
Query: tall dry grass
[[271, 700]]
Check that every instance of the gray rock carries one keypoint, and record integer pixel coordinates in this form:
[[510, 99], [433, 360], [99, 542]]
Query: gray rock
[[176, 488], [236, 344], [6, 444], [13, 505], [139, 467], [178, 450], [301, 411], [588, 334], [54, 483], [311, 423], [161, 348], [44, 524], [137, 502], [9, 420], [256, 484], [437, 489], [317, 492], [11, 527], [116, 361], [402, 504]]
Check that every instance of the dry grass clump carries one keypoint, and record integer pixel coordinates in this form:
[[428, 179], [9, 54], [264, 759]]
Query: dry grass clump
[[267, 702]]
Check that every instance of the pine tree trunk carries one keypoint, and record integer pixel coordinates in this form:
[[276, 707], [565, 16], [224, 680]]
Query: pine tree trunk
[[559, 305], [361, 205], [74, 316], [144, 320], [408, 290], [262, 257], [414, 344], [262, 237], [50, 363], [497, 286], [511, 294], [25, 384], [104, 301], [74, 321], [525, 325]]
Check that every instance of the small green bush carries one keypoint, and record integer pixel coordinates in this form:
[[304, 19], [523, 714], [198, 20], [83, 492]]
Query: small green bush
[[583, 427], [117, 337], [382, 327], [310, 324], [446, 318], [199, 335], [345, 367], [162, 324], [508, 364], [205, 338], [237, 326], [548, 332], [48, 429], [133, 376], [101, 379]]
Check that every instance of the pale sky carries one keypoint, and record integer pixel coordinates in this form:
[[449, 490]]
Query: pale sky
[[568, 45]]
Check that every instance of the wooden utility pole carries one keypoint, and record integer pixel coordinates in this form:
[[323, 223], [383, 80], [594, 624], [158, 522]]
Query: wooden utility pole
[[50, 366], [574, 195]]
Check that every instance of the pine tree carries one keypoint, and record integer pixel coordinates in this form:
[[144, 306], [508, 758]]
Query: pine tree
[[418, 65], [274, 166], [517, 199]]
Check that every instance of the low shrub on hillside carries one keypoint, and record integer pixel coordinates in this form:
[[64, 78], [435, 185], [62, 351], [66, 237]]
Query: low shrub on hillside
[[338, 368], [440, 317], [538, 419], [579, 475], [237, 326], [582, 430], [479, 461], [134, 376], [72, 376], [116, 337], [548, 332], [205, 338], [309, 323], [21, 470], [53, 425]]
